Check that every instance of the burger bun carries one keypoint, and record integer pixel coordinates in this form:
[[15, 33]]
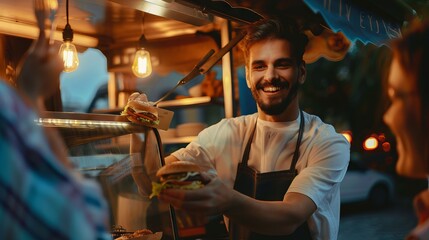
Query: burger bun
[[139, 110], [140, 106], [178, 167]]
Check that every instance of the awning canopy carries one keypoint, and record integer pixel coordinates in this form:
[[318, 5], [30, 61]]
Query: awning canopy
[[368, 21], [331, 25], [377, 22]]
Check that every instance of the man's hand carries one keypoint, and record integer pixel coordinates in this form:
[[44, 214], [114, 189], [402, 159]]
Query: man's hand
[[265, 217], [213, 199]]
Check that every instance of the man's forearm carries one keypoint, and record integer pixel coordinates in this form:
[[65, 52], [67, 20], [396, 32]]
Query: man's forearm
[[270, 217]]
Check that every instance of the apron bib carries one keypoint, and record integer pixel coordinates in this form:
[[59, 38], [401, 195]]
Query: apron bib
[[270, 186]]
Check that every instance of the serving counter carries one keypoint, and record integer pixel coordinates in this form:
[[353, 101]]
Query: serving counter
[[123, 157]]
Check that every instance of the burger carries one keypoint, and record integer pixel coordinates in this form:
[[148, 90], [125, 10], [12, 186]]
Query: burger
[[178, 175], [140, 110], [143, 234]]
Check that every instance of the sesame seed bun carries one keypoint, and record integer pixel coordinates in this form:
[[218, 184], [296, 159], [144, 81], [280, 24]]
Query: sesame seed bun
[[178, 167]]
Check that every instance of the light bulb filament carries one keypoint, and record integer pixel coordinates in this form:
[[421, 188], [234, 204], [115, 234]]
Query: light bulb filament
[[142, 66], [68, 58], [69, 55]]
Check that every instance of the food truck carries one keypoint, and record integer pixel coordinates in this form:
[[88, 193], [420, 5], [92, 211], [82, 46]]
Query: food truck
[[189, 37]]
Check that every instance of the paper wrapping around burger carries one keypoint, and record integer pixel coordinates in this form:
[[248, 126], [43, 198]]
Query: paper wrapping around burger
[[165, 117]]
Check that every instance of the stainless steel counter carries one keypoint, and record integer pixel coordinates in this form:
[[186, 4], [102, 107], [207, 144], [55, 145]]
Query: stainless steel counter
[[81, 128]]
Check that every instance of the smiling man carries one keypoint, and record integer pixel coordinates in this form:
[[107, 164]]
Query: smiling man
[[274, 174]]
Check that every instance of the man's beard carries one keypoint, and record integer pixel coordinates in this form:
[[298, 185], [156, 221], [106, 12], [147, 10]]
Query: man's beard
[[277, 108]]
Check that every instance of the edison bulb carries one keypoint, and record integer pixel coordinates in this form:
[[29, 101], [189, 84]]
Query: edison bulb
[[53, 5], [68, 54], [142, 66]]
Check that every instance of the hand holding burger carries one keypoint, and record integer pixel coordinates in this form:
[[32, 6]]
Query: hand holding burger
[[140, 110], [178, 175]]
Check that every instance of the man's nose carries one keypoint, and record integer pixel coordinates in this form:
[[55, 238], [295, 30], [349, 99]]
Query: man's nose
[[270, 73]]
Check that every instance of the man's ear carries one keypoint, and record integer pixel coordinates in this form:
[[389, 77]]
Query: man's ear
[[302, 72]]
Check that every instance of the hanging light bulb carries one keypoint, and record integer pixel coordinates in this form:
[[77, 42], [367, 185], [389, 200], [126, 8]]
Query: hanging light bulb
[[68, 52], [142, 65]]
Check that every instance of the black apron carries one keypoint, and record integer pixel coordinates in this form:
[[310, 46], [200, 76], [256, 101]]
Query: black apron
[[270, 186]]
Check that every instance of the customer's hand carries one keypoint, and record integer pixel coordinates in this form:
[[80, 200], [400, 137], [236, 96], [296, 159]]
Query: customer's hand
[[421, 206], [39, 70], [145, 160]]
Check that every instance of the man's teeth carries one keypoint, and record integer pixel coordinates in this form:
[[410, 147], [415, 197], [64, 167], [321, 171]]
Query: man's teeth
[[271, 89]]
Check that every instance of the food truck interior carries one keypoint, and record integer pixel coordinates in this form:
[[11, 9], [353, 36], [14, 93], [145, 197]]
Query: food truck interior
[[178, 33]]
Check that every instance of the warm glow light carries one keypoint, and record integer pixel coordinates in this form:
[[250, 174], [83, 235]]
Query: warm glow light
[[53, 5], [57, 122], [386, 146], [142, 66], [348, 136], [68, 54], [370, 143]]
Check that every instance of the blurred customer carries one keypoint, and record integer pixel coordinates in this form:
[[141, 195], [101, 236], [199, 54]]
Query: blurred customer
[[408, 114], [40, 196]]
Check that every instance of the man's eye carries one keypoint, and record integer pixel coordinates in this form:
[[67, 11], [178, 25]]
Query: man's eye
[[258, 67], [284, 65]]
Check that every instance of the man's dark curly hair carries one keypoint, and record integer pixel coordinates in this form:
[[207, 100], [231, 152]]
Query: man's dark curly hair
[[285, 28]]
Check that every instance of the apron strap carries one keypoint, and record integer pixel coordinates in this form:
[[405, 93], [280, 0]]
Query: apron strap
[[298, 143], [249, 142]]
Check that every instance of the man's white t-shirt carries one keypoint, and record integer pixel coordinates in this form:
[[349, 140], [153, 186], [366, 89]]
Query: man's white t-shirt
[[324, 157]]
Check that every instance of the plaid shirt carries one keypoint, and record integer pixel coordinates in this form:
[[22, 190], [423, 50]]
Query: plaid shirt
[[39, 197]]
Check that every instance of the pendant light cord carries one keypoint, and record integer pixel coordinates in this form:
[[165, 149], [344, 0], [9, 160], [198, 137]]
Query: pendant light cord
[[68, 31], [67, 11], [142, 26], [142, 41]]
